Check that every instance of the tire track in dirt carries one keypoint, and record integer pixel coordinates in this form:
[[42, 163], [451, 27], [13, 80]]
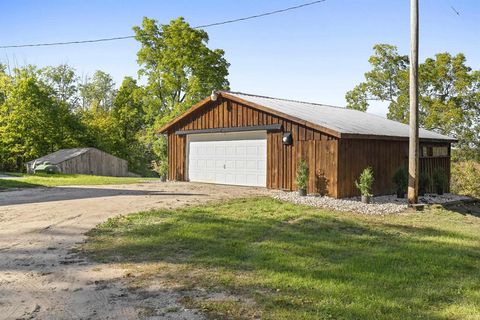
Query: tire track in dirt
[[40, 277]]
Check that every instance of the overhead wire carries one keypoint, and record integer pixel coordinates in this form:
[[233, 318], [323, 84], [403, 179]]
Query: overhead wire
[[196, 27]]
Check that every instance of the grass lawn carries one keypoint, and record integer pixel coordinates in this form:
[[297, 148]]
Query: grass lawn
[[286, 261], [54, 180]]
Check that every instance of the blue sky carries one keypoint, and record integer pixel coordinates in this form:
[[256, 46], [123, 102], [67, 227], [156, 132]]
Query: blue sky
[[314, 54]]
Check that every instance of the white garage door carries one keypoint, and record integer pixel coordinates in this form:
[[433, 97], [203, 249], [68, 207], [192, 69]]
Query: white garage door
[[228, 158]]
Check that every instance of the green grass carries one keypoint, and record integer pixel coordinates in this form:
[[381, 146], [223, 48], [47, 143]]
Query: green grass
[[12, 174], [54, 180], [296, 262]]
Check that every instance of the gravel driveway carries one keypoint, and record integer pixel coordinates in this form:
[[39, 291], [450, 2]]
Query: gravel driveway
[[40, 277]]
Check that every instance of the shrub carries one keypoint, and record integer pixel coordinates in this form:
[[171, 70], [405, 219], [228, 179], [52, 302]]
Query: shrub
[[440, 180], [400, 179], [423, 183], [365, 182], [302, 175], [161, 167], [466, 178]]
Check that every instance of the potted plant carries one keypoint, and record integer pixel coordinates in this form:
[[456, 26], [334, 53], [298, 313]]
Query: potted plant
[[401, 181], [423, 183], [364, 184], [439, 180], [302, 177]]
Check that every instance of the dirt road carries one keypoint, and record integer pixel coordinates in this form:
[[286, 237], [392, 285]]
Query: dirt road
[[40, 277]]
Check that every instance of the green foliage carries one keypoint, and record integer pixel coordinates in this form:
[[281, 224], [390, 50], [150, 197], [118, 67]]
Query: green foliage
[[466, 178], [440, 178], [466, 154], [32, 121], [423, 182], [449, 94], [129, 118], [98, 92], [285, 261], [43, 110], [63, 81], [180, 70], [302, 175], [400, 178], [387, 81], [365, 182], [161, 168]]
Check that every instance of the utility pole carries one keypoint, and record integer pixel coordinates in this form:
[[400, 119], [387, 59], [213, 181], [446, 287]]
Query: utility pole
[[413, 151]]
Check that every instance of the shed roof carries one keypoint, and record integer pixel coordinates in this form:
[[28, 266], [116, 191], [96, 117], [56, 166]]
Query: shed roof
[[345, 122], [62, 155]]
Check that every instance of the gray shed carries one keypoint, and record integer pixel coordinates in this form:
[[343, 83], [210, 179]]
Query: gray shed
[[84, 161]]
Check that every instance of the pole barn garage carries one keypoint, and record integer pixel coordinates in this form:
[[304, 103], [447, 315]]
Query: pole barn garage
[[244, 139]]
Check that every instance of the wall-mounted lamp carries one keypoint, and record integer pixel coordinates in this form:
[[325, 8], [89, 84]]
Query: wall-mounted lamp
[[287, 138], [214, 95]]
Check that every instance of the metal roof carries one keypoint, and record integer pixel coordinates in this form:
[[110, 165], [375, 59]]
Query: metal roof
[[62, 155], [342, 120]]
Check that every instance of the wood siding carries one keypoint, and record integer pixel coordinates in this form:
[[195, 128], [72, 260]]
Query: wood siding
[[334, 163], [385, 157], [319, 148], [95, 162]]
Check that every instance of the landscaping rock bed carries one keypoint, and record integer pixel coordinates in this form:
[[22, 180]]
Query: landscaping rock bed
[[380, 205]]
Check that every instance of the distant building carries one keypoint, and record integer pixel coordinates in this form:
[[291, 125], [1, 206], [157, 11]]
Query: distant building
[[84, 161]]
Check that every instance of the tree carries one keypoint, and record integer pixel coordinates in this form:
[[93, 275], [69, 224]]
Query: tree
[[32, 122], [128, 115], [97, 93], [180, 70], [64, 83], [44, 110], [387, 81], [449, 91]]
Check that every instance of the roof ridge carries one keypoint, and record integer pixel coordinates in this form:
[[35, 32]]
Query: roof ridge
[[290, 100]]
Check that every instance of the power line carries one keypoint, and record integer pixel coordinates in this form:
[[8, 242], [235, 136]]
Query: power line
[[261, 15], [197, 27], [65, 43]]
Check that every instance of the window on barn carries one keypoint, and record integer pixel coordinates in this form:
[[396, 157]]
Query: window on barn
[[424, 152], [440, 151], [434, 151]]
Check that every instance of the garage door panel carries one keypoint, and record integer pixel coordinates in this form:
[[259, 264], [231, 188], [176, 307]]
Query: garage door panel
[[230, 165], [240, 151], [202, 164], [262, 164], [238, 159], [220, 178], [220, 150], [251, 164], [252, 151], [219, 164], [252, 179]]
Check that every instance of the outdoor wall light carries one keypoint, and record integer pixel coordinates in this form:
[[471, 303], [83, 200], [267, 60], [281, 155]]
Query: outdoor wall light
[[214, 96], [287, 138]]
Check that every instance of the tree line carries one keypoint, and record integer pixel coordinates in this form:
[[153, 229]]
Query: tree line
[[46, 109]]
